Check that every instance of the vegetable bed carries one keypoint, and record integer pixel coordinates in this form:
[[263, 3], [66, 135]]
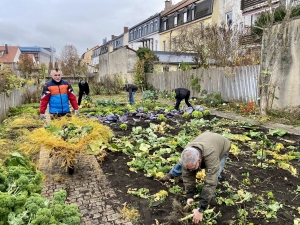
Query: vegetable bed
[[260, 182]]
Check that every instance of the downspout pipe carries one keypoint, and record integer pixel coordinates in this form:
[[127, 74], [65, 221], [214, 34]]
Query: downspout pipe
[[170, 39]]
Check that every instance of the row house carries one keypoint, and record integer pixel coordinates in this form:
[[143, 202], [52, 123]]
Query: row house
[[119, 41], [145, 34], [95, 56], [115, 43], [86, 58], [9, 56], [184, 13], [230, 13]]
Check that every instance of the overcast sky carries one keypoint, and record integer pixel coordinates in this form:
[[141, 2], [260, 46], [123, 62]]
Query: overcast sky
[[83, 24]]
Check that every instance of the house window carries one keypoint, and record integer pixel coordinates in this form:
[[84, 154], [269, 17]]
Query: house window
[[165, 25], [151, 27], [229, 18], [145, 30], [184, 17], [131, 35], [175, 19], [156, 25], [140, 32], [241, 27], [193, 14], [192, 11], [164, 45]]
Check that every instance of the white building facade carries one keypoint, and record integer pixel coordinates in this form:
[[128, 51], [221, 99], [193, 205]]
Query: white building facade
[[145, 34]]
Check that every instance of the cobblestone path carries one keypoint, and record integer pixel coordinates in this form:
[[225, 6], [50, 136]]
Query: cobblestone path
[[88, 188]]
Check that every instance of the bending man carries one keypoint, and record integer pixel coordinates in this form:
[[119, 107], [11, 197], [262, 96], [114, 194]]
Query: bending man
[[83, 89], [182, 93], [131, 89], [208, 151]]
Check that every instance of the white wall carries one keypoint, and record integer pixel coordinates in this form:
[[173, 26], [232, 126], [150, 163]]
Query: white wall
[[18, 53], [231, 6], [119, 62], [136, 44]]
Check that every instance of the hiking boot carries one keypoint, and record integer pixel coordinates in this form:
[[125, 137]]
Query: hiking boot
[[167, 177]]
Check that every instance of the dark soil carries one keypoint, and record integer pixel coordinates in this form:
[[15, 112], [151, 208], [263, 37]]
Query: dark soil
[[272, 179]]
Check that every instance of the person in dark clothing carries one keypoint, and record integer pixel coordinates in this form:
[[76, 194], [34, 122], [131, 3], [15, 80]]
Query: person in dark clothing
[[131, 89], [83, 89], [182, 93]]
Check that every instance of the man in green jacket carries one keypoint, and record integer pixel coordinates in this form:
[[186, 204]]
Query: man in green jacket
[[209, 151]]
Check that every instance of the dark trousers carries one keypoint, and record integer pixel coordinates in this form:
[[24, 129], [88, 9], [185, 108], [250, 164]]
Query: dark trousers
[[58, 115], [186, 98], [80, 97]]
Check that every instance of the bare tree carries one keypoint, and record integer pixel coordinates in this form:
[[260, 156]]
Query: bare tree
[[213, 44], [69, 60]]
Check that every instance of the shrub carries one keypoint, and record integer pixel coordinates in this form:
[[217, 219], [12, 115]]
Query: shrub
[[9, 81], [31, 97], [97, 88], [151, 95], [213, 99], [107, 85]]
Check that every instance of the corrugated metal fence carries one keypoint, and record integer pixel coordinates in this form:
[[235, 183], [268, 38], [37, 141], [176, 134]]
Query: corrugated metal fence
[[234, 84]]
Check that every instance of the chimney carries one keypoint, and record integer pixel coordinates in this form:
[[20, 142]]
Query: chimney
[[6, 49], [112, 37], [125, 30], [168, 4]]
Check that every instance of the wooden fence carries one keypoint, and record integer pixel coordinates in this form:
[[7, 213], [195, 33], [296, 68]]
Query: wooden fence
[[234, 84]]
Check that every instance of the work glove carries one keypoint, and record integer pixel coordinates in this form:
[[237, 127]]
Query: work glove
[[76, 113], [43, 116]]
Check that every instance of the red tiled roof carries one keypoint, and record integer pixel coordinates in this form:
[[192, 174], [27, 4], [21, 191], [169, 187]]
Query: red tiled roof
[[8, 58]]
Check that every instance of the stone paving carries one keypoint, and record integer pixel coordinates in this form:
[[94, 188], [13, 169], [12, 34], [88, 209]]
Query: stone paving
[[88, 188], [233, 116]]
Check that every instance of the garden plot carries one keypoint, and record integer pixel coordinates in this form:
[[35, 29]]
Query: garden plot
[[260, 183]]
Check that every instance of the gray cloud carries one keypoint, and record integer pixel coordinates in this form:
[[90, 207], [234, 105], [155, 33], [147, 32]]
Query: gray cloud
[[83, 24]]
